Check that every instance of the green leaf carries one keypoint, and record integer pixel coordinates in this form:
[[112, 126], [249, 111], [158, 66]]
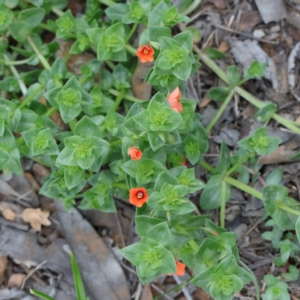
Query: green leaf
[[256, 70], [19, 30], [297, 226], [4, 158], [266, 113], [161, 234], [155, 33], [273, 197], [40, 294], [211, 195], [33, 16], [144, 223], [79, 288], [117, 11], [185, 40], [218, 94], [275, 176], [292, 275], [86, 127], [213, 53], [224, 160], [192, 149], [187, 178], [234, 75]]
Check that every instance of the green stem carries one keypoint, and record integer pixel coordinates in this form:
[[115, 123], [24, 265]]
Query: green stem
[[253, 279], [16, 74], [31, 96], [127, 97], [243, 187], [207, 166], [14, 63], [42, 59], [118, 100], [220, 112], [107, 2], [223, 204], [177, 287], [110, 64], [130, 49], [131, 32], [240, 162], [116, 142], [246, 95], [211, 64], [288, 209], [192, 7], [51, 111]]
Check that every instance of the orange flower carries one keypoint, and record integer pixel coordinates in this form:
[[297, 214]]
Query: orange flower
[[173, 99], [179, 268], [184, 162], [145, 53], [135, 153], [138, 196]]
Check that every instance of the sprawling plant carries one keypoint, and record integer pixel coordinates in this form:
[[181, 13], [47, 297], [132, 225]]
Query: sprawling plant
[[145, 151]]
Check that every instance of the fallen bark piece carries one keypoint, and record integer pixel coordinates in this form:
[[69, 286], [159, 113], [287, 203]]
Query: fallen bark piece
[[8, 214], [271, 10], [102, 275], [15, 280], [36, 217], [3, 267]]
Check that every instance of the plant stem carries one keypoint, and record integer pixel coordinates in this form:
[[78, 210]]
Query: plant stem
[[288, 209], [127, 97], [246, 95], [107, 2], [253, 279], [192, 7], [240, 162], [31, 96], [223, 205], [220, 112], [174, 288], [207, 166], [51, 111], [116, 142], [17, 75], [131, 32], [118, 100], [130, 49], [14, 63], [243, 187], [42, 59]]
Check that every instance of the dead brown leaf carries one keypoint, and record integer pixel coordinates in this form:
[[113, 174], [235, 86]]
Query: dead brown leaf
[[140, 88], [32, 181], [36, 217], [15, 280], [9, 214], [248, 19], [224, 47], [3, 267]]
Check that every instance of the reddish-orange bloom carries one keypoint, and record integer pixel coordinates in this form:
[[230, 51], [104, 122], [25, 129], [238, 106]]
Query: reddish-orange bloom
[[180, 267], [145, 53], [184, 162], [174, 102], [138, 196], [135, 153]]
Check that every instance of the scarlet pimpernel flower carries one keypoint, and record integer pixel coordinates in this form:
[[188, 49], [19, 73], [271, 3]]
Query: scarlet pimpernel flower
[[138, 196], [180, 267], [145, 53], [173, 99], [135, 153]]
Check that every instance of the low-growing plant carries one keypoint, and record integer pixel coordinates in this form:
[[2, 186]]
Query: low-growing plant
[[146, 151]]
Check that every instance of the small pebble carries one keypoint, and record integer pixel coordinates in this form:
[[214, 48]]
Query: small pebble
[[258, 33]]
